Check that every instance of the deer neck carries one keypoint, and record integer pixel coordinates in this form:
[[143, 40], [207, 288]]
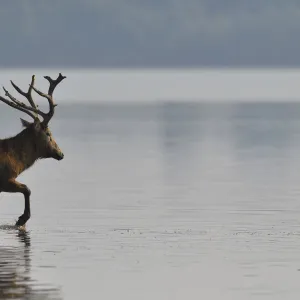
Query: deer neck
[[24, 148]]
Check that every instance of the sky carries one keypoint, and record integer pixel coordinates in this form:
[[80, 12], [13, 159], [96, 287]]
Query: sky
[[156, 33]]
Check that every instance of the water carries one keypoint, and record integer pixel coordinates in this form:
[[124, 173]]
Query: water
[[159, 201]]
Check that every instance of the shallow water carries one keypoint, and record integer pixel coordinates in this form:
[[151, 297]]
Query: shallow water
[[162, 201]]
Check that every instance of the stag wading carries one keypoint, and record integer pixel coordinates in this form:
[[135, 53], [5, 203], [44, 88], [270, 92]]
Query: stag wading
[[35, 142]]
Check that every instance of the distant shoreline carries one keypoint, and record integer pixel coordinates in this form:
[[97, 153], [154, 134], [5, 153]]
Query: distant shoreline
[[155, 85]]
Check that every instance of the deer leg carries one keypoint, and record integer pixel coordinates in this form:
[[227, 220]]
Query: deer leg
[[13, 186]]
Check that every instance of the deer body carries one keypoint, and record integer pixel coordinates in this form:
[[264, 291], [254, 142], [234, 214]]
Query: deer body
[[15, 159], [35, 142]]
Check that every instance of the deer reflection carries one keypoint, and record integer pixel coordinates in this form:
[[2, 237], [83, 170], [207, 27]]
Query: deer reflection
[[15, 272]]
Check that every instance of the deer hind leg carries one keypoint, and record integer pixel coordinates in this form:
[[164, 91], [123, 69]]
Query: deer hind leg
[[13, 186]]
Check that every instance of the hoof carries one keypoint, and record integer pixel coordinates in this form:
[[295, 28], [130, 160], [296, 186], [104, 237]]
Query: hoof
[[22, 220]]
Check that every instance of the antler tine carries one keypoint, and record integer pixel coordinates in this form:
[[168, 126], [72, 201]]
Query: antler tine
[[52, 86], [27, 94], [11, 97], [20, 103], [54, 83], [16, 106]]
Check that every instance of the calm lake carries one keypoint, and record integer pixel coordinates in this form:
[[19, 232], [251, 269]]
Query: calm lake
[[173, 200]]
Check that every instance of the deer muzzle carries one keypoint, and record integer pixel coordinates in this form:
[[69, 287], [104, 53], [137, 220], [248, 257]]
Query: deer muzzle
[[58, 155]]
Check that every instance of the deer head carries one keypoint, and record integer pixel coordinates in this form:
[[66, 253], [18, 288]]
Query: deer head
[[43, 140], [39, 131]]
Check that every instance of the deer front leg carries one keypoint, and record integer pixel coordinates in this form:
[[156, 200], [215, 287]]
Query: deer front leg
[[13, 186]]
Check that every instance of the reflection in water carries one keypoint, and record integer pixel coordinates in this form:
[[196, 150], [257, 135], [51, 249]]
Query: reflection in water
[[181, 133], [15, 269], [264, 140], [269, 127]]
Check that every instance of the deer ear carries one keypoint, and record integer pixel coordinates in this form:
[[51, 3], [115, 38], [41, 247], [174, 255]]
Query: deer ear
[[25, 123]]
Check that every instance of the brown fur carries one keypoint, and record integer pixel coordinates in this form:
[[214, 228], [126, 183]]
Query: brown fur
[[17, 154]]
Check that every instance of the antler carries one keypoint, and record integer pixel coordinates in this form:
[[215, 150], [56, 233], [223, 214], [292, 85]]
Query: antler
[[33, 110], [53, 83]]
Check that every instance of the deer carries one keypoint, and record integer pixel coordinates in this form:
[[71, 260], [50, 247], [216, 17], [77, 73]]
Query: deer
[[34, 142]]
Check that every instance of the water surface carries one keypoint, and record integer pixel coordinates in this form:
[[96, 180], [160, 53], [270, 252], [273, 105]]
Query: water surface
[[159, 201]]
